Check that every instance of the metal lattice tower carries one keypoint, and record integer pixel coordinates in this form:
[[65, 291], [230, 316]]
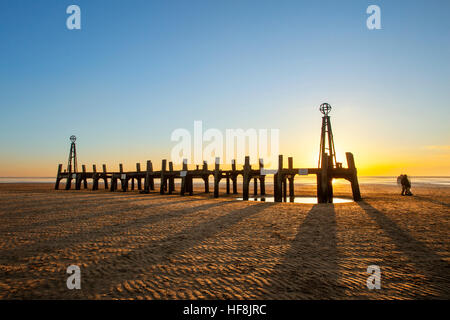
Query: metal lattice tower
[[326, 138], [72, 165]]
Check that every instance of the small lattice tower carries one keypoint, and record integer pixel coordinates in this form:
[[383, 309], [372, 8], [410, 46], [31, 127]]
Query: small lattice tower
[[72, 163], [326, 138]]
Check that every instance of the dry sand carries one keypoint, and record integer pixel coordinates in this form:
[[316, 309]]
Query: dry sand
[[130, 245]]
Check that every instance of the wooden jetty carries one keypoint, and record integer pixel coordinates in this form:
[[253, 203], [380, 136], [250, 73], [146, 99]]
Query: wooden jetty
[[327, 170], [283, 178]]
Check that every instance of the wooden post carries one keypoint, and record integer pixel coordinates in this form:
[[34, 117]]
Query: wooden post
[[291, 178], [78, 180], [69, 180], [113, 182], [233, 168], [279, 180], [262, 179], [162, 186], [190, 183], [94, 177], [216, 177], [255, 186], [105, 176], [324, 180], [319, 187], [85, 184], [228, 183], [206, 176], [147, 177], [151, 179], [139, 182], [246, 179], [330, 181], [123, 182], [171, 179], [58, 177], [183, 175], [353, 176], [275, 186]]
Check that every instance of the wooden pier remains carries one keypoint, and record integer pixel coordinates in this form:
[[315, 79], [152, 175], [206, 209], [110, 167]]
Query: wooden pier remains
[[327, 170], [283, 178]]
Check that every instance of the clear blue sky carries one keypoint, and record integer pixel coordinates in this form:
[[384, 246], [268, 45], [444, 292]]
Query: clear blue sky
[[137, 70]]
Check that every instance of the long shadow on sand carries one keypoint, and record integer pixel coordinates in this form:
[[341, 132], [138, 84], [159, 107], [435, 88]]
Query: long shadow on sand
[[433, 201], [55, 244], [425, 259], [160, 252], [309, 269], [43, 206], [101, 277], [129, 207]]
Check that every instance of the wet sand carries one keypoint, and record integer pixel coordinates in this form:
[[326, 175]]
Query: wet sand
[[135, 246]]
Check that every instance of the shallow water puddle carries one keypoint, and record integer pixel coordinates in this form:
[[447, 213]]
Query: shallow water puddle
[[296, 199]]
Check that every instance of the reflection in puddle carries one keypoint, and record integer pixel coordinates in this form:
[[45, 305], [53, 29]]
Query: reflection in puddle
[[296, 199]]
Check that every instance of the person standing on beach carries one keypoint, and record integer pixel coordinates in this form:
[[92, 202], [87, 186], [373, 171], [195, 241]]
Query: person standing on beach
[[400, 182], [406, 185]]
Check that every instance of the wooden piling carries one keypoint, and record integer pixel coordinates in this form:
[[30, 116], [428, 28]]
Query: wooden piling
[[279, 180], [58, 176], [216, 177], [262, 178], [190, 185], [246, 178], [291, 178], [148, 177], [324, 180], [162, 186], [84, 177], [353, 177], [78, 181], [123, 178], [105, 177], [234, 176], [139, 180], [151, 179], [94, 177], [69, 178], [183, 175], [171, 179], [206, 176]]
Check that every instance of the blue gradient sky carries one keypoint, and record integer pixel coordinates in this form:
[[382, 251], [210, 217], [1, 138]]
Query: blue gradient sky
[[137, 70]]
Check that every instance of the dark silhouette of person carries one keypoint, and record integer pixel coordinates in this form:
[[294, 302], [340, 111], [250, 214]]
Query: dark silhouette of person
[[399, 182], [406, 185]]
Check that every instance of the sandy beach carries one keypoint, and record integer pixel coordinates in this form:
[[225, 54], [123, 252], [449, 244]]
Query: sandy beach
[[136, 246]]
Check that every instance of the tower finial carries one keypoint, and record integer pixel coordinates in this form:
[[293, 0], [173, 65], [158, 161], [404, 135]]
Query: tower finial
[[325, 108]]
